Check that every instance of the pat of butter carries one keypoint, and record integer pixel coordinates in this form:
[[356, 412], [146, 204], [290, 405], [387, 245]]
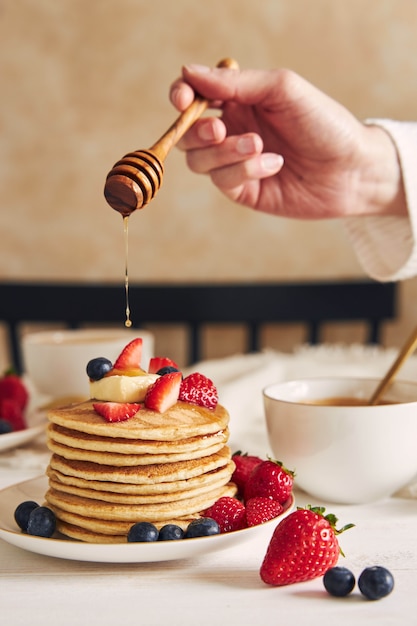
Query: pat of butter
[[121, 388]]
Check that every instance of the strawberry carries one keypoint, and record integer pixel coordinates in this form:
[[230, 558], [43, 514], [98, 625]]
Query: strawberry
[[163, 393], [198, 389], [13, 388], [158, 362], [244, 464], [130, 357], [260, 510], [270, 479], [303, 546], [12, 413], [116, 411], [229, 513]]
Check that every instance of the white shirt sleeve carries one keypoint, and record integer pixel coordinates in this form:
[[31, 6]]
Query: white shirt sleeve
[[386, 246]]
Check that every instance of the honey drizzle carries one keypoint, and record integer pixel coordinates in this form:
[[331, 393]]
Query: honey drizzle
[[128, 321]]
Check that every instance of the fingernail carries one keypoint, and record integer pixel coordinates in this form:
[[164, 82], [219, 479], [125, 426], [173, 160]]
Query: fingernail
[[200, 69], [205, 131], [271, 162], [246, 145]]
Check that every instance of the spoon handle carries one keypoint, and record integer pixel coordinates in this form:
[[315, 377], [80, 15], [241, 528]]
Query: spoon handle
[[408, 348], [174, 133]]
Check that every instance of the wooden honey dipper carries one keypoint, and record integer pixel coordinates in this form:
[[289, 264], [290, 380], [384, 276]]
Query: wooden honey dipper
[[134, 180]]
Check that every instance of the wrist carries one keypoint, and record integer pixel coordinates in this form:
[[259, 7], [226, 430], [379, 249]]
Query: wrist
[[381, 175]]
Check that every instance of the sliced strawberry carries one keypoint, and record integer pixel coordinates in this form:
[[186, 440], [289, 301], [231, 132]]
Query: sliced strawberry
[[13, 388], [198, 389], [116, 411], [260, 510], [163, 393], [130, 356], [12, 413], [158, 362]]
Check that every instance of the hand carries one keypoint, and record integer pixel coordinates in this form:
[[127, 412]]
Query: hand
[[282, 146]]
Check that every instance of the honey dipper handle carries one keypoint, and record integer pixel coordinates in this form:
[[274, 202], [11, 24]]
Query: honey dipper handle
[[187, 118]]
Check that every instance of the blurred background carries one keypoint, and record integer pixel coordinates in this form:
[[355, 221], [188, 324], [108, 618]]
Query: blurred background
[[83, 83]]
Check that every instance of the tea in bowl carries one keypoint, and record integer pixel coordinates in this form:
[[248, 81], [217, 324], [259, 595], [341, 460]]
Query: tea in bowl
[[55, 360], [342, 449]]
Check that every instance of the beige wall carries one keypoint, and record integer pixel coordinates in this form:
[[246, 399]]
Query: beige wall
[[84, 82]]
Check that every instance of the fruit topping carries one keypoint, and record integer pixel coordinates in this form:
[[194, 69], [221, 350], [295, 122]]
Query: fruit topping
[[339, 581], [22, 512], [98, 368], [142, 532], [11, 412], [130, 357], [375, 582], [303, 546], [229, 513], [244, 464], [198, 389], [163, 393], [116, 411], [41, 522], [5, 427], [202, 527], [13, 388], [158, 363], [260, 510], [270, 479], [171, 532]]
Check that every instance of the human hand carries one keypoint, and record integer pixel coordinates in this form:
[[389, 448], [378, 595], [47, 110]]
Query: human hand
[[282, 146]]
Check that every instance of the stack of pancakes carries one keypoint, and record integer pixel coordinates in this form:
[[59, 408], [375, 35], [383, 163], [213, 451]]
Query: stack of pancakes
[[155, 467]]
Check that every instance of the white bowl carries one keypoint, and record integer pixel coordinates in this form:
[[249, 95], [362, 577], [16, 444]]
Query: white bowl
[[55, 361], [344, 454]]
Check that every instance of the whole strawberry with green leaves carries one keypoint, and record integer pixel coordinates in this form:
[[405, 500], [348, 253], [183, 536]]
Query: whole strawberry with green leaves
[[270, 479], [303, 546]]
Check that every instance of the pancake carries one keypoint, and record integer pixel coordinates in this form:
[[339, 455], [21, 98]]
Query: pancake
[[213, 477], [85, 441], [126, 460], [107, 511], [155, 467], [142, 474], [97, 531], [126, 498], [181, 421]]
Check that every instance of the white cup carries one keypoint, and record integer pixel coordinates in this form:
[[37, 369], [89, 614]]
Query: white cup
[[345, 454], [55, 360]]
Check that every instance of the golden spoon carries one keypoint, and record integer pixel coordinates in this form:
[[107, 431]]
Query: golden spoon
[[408, 348]]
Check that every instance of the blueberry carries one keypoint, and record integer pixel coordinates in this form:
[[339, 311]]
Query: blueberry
[[22, 513], [42, 522], [202, 527], [376, 582], [142, 531], [339, 581], [167, 370], [5, 426], [97, 368], [171, 532]]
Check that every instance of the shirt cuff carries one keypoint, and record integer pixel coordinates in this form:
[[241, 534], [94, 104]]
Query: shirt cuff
[[386, 246]]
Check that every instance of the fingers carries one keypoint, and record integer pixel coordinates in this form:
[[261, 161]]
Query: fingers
[[243, 173], [205, 156], [181, 94]]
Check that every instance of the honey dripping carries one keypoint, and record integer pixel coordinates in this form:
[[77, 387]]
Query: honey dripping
[[128, 321]]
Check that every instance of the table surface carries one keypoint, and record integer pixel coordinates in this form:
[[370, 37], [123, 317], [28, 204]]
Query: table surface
[[223, 587]]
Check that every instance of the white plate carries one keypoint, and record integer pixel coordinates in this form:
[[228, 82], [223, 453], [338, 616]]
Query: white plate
[[63, 548], [36, 421]]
